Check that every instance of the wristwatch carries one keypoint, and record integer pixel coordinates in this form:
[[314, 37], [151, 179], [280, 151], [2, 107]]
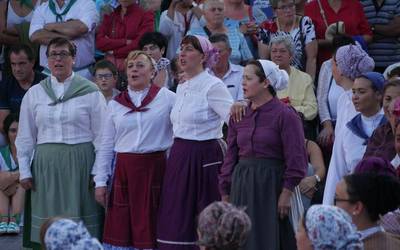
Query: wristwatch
[[317, 178]]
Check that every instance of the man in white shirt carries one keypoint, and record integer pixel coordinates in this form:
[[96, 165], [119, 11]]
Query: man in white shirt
[[74, 20], [231, 74]]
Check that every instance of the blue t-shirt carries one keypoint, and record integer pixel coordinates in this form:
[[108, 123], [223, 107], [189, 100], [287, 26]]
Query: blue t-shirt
[[11, 93]]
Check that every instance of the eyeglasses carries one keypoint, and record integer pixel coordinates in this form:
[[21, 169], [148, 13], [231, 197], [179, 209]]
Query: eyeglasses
[[335, 200], [104, 76], [62, 55], [286, 7]]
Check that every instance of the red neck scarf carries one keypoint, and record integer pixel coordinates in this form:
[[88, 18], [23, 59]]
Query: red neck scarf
[[125, 100]]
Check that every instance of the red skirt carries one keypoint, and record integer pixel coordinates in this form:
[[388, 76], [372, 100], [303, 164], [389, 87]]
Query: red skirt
[[134, 200]]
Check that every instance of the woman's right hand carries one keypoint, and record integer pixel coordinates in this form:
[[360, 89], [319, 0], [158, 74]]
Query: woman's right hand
[[27, 183], [326, 136], [100, 195]]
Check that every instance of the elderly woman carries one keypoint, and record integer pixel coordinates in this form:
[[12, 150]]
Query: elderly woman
[[223, 226], [366, 197], [120, 31], [266, 158], [300, 90], [327, 227], [139, 130], [11, 193], [300, 28], [214, 16], [60, 125], [350, 146], [326, 15], [191, 178]]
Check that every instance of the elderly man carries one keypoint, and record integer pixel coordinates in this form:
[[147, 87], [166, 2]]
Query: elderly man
[[14, 87], [74, 20], [231, 74], [300, 91]]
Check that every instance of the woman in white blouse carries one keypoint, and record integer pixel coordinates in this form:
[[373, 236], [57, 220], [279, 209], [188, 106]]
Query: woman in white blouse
[[349, 147], [57, 138], [190, 183], [139, 130]]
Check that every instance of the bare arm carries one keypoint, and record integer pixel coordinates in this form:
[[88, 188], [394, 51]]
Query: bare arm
[[43, 36], [5, 38], [392, 29], [71, 28], [311, 50], [316, 159]]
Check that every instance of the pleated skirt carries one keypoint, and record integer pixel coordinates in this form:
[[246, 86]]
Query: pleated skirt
[[256, 185], [190, 184], [131, 217], [63, 187]]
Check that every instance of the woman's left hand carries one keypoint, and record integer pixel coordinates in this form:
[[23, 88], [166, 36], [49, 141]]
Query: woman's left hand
[[284, 203], [307, 186]]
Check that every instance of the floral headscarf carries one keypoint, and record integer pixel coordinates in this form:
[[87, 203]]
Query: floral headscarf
[[331, 228], [222, 225], [65, 234]]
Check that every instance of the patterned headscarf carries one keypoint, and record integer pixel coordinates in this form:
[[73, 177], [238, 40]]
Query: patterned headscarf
[[209, 51], [330, 228], [65, 234], [353, 61], [223, 226]]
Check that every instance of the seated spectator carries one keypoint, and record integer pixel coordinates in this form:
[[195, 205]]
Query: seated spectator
[[350, 12], [328, 93], [11, 193], [315, 174], [120, 31], [366, 197], [65, 234], [15, 18], [214, 16], [394, 110], [350, 146], [73, 20], [155, 44], [14, 87], [260, 10], [300, 28], [384, 19], [231, 74], [382, 141], [176, 21], [222, 226], [300, 91], [327, 227], [106, 76]]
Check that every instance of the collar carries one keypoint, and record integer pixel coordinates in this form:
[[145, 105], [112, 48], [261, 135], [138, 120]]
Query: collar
[[67, 81], [197, 77], [356, 125], [370, 231], [232, 68], [138, 96], [131, 8], [66, 2]]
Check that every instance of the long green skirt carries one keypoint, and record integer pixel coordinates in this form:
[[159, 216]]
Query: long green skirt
[[63, 187]]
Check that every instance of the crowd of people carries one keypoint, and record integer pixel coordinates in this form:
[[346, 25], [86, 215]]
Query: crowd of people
[[206, 124]]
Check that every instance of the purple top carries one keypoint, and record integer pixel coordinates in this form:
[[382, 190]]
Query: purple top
[[381, 143], [273, 130]]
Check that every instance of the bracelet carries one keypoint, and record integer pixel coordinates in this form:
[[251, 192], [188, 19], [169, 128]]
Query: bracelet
[[317, 178]]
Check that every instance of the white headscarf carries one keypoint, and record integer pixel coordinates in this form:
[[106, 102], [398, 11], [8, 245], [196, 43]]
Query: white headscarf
[[278, 78]]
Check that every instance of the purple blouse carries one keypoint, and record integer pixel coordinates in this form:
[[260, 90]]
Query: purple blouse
[[273, 130], [381, 143]]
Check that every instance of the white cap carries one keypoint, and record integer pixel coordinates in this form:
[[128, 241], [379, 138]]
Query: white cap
[[278, 78]]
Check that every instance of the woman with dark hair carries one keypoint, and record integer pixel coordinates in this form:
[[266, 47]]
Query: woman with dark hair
[[155, 45], [366, 197], [266, 158], [350, 146], [191, 177], [11, 193]]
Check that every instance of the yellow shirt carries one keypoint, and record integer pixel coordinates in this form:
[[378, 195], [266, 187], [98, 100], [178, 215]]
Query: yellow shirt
[[300, 92]]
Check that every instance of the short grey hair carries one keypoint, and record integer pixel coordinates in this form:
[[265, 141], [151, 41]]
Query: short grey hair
[[286, 40], [220, 37], [208, 2], [274, 3]]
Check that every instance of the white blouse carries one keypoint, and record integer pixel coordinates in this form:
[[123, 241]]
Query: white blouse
[[202, 105], [77, 120], [136, 132], [345, 111], [348, 150]]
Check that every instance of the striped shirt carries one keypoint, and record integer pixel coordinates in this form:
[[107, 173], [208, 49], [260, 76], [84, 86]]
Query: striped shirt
[[385, 51]]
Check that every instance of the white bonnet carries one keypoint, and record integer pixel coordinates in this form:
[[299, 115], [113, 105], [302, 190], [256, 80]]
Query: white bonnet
[[278, 78]]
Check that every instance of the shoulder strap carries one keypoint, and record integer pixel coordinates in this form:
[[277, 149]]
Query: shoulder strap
[[321, 10], [208, 32]]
